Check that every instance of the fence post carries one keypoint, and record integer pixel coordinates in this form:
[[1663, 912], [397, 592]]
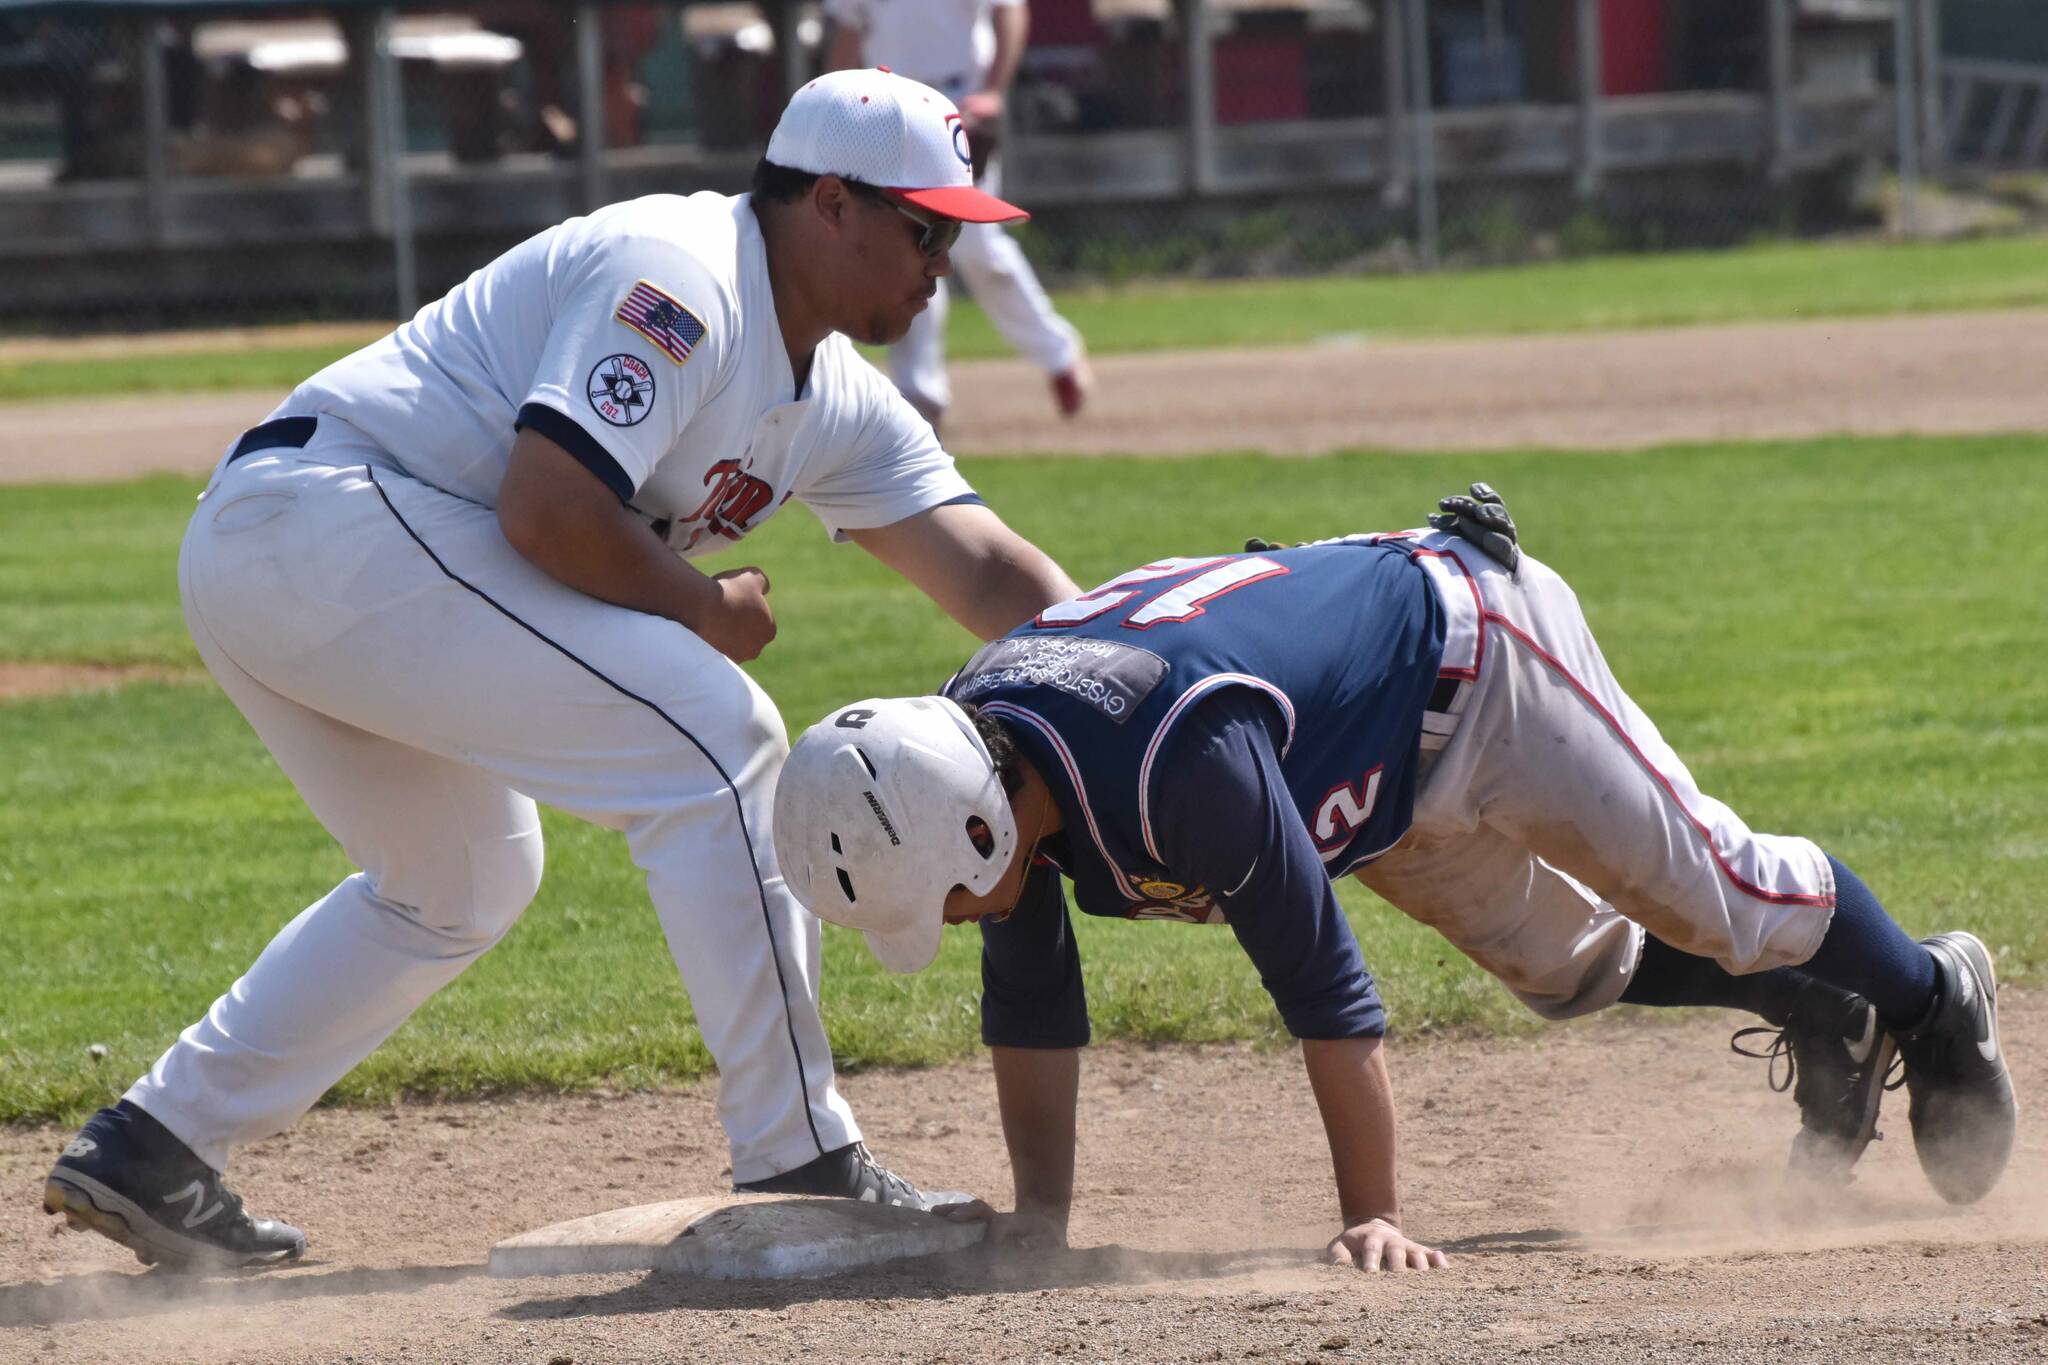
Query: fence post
[[1932, 151], [785, 19], [590, 129], [1903, 77], [1394, 103], [1426, 235], [1496, 25], [1198, 34], [390, 200], [156, 130], [1780, 134], [1586, 183]]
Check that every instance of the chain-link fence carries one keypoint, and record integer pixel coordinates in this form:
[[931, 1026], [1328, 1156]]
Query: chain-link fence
[[178, 162]]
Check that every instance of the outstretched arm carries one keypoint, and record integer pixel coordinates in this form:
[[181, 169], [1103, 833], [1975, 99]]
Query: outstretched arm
[[1034, 1019], [1349, 1077], [980, 572], [1037, 1091], [1226, 818]]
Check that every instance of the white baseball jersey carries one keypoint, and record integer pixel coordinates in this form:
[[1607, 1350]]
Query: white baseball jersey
[[643, 340], [424, 685], [947, 44]]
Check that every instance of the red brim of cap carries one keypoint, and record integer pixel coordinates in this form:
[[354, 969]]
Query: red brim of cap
[[966, 203]]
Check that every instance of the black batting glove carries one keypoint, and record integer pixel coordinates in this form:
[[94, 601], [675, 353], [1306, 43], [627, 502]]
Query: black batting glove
[[1483, 519]]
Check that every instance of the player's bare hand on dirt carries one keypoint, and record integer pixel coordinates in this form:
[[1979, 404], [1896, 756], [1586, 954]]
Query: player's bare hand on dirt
[[1379, 1245], [1009, 1231], [1483, 519], [741, 623]]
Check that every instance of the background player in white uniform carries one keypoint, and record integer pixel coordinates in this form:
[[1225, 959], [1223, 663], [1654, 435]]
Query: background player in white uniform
[[968, 50], [447, 580]]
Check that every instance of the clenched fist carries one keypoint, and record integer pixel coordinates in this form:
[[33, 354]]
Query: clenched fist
[[742, 623]]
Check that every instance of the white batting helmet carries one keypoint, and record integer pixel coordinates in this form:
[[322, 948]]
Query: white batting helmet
[[871, 821]]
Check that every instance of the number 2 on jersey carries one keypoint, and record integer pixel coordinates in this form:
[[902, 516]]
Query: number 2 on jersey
[[1202, 580]]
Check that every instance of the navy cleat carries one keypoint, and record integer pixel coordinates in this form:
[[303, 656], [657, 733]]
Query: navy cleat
[[126, 1177], [1832, 1055], [1962, 1105], [847, 1172]]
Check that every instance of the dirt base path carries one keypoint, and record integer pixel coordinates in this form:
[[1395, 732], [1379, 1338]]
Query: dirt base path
[[1940, 373], [1935, 374], [1608, 1191], [19, 680]]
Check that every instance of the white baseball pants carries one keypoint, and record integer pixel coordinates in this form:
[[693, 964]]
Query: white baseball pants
[[423, 686], [995, 270], [1554, 824]]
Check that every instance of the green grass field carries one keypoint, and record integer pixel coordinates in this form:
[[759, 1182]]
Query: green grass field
[[1778, 281], [1844, 638]]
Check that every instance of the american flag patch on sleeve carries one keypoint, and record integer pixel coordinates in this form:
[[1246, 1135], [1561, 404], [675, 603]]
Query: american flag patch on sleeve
[[662, 320]]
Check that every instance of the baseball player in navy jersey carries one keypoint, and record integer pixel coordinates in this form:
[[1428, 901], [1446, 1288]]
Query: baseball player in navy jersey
[[449, 579], [968, 50], [1216, 739]]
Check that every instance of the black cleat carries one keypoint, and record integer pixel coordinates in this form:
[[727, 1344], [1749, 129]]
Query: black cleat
[[1834, 1059], [1962, 1104], [847, 1172], [126, 1177]]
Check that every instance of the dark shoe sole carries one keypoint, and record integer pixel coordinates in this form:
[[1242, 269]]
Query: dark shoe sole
[[90, 1205]]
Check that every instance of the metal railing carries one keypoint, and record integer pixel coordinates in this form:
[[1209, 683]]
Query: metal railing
[[191, 156], [1994, 114]]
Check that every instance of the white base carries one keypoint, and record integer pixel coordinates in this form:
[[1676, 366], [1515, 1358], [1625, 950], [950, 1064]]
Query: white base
[[733, 1237]]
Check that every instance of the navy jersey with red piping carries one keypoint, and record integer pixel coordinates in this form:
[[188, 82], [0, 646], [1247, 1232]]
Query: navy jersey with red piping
[[1111, 695]]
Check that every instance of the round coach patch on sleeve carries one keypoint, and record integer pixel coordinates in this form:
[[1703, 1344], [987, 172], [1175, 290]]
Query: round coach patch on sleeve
[[621, 388]]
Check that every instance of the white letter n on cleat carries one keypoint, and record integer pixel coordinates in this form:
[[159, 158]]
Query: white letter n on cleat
[[197, 1193]]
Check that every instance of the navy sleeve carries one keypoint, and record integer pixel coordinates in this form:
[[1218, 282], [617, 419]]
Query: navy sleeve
[[1224, 819], [1031, 993], [581, 445]]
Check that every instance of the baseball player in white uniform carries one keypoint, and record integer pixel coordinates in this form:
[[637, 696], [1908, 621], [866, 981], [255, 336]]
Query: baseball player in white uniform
[[448, 579], [969, 51]]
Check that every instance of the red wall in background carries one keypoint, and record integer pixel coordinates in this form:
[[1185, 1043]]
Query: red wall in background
[[1260, 79], [1057, 23], [1631, 47]]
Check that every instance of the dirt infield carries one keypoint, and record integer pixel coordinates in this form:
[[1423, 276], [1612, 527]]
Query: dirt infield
[[1938, 373], [1609, 1192]]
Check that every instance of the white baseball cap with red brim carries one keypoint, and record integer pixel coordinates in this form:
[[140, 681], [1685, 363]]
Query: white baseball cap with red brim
[[888, 131]]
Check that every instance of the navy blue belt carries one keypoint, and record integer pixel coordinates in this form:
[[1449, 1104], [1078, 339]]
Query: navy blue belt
[[293, 432]]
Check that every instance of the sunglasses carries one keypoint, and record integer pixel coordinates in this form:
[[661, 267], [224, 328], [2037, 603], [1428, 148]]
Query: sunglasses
[[936, 235]]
